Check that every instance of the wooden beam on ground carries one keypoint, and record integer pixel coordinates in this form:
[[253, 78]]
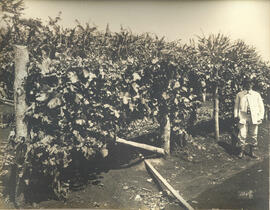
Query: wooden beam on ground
[[167, 185], [141, 146], [7, 102]]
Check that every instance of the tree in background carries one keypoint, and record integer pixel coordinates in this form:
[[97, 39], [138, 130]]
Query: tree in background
[[224, 64], [242, 61], [213, 52]]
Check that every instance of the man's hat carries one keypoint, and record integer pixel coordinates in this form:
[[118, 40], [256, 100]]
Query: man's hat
[[247, 82]]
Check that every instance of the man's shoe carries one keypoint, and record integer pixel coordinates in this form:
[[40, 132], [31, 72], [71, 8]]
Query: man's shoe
[[241, 154], [253, 154]]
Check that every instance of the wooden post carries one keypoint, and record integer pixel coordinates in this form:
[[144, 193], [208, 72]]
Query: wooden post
[[204, 96], [21, 60], [167, 185], [266, 112], [141, 146], [216, 113], [166, 134]]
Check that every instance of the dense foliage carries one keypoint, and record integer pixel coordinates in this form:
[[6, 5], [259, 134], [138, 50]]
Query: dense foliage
[[84, 85], [225, 64]]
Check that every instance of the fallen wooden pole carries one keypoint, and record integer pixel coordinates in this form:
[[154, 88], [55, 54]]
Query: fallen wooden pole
[[6, 101], [142, 146], [170, 188], [10, 101]]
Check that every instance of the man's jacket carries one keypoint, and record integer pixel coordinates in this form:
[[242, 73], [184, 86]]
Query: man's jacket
[[252, 99]]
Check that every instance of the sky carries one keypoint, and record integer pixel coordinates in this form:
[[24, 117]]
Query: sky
[[242, 19]]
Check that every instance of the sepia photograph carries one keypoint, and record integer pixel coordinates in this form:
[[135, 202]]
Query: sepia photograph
[[132, 104]]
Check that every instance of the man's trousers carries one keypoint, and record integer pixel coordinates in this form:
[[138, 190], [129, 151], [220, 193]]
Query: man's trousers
[[248, 133]]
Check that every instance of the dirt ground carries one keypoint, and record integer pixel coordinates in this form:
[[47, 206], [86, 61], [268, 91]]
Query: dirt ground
[[206, 173]]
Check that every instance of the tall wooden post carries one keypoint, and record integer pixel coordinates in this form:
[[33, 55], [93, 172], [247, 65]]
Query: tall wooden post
[[216, 113], [204, 96], [21, 60]]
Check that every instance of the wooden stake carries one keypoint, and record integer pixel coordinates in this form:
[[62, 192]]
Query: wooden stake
[[166, 136], [167, 185], [142, 146], [216, 113]]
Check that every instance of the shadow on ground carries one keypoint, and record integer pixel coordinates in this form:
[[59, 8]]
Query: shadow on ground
[[207, 127], [229, 148], [245, 190]]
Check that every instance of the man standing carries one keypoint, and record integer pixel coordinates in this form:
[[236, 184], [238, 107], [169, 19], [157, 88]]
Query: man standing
[[248, 113]]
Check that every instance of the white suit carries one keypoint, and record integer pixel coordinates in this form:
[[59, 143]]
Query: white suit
[[255, 102], [249, 109]]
